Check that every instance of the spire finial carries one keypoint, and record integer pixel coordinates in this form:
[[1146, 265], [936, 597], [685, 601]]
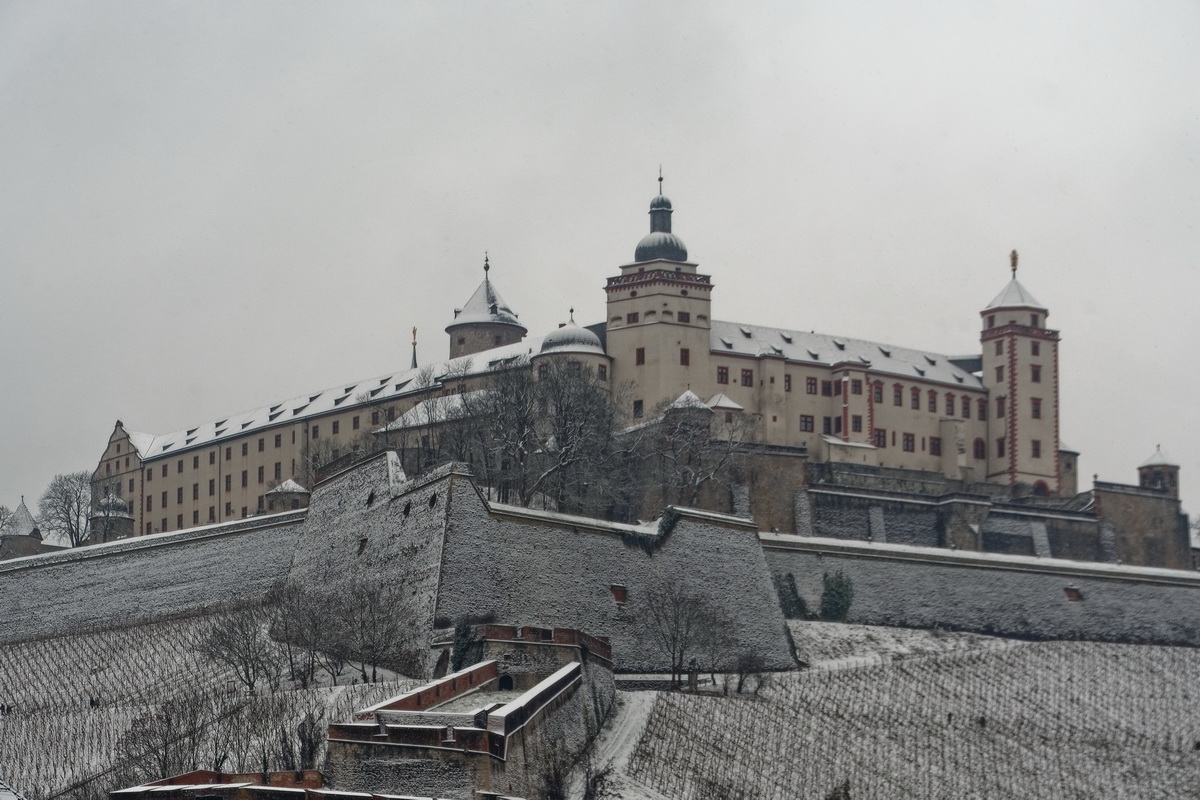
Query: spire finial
[[660, 180], [1013, 258], [572, 314], [414, 358], [486, 265]]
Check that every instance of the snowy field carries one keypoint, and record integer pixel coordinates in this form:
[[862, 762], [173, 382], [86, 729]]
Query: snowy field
[[67, 706], [900, 714]]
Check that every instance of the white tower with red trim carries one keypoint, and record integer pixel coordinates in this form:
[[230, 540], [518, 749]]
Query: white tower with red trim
[[1020, 372]]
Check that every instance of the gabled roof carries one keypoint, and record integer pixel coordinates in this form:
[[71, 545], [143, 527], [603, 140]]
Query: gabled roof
[[724, 402], [289, 487], [345, 395], [485, 306], [1015, 296], [688, 400], [820, 348], [23, 523]]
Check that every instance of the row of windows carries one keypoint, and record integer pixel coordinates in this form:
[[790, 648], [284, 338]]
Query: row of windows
[[1035, 320], [1035, 348], [212, 515], [980, 448], [1035, 373], [633, 317], [747, 377], [212, 486]]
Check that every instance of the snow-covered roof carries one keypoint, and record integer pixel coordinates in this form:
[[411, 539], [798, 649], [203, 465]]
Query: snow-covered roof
[[833, 440], [346, 395], [289, 487], [570, 338], [820, 348], [438, 409], [22, 523], [1014, 295], [688, 400], [723, 402], [486, 306], [1159, 459]]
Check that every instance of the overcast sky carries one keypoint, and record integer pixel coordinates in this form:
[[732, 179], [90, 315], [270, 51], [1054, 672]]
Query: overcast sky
[[207, 207]]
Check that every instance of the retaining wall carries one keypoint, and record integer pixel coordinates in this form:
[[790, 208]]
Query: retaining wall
[[992, 593]]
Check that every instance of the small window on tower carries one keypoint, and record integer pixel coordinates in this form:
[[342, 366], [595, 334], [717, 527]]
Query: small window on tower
[[999, 347], [637, 408], [999, 374], [1035, 373], [856, 423], [685, 357], [602, 371], [631, 317], [1035, 348], [683, 316], [639, 356], [855, 387], [1034, 320]]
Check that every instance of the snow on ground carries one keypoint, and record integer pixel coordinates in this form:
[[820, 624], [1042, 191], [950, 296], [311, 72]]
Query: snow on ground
[[616, 744], [829, 644]]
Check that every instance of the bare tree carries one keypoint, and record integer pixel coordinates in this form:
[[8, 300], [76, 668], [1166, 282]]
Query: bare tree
[[65, 506], [696, 448], [239, 640], [676, 620], [377, 626], [5, 518]]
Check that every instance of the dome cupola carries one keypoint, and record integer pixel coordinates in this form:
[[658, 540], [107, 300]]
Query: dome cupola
[[660, 242], [570, 338]]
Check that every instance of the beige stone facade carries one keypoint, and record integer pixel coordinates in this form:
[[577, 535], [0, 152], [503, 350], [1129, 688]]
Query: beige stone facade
[[991, 416]]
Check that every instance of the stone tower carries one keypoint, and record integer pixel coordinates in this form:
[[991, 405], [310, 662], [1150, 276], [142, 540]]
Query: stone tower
[[1020, 372], [484, 322], [658, 316], [1159, 472]]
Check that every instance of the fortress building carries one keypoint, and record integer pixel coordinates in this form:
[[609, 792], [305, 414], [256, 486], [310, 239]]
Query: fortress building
[[865, 416]]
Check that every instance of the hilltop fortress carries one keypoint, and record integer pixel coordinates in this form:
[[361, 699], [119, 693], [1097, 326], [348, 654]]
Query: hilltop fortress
[[849, 439]]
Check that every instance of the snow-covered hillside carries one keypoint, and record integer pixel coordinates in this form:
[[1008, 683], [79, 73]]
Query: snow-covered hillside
[[979, 719]]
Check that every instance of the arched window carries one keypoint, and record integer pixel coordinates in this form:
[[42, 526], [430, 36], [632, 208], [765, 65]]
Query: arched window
[[1041, 489], [980, 449]]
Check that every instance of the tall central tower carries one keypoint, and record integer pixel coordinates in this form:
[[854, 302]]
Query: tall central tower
[[658, 316]]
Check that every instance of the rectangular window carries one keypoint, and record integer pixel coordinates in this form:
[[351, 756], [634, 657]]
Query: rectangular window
[[1035, 373], [787, 383], [631, 317], [877, 393], [897, 395], [374, 417], [228, 453], [212, 457], [245, 512], [1035, 407], [337, 425], [354, 420], [999, 407], [228, 509], [855, 387], [827, 388], [212, 486], [150, 473], [245, 477], [684, 316], [196, 517], [1035, 448], [966, 408], [949, 405], [131, 485], [179, 468], [916, 399], [278, 470], [149, 503], [245, 448], [279, 440], [880, 437], [991, 320], [1034, 320], [685, 357], [806, 423], [1000, 448], [316, 431], [149, 528], [179, 521], [262, 444], [747, 377], [722, 374], [228, 483], [935, 446], [212, 513], [179, 496], [261, 475], [856, 423], [639, 356], [637, 408], [933, 402], [810, 385], [827, 425], [195, 462], [601, 373], [1035, 348], [999, 347], [982, 408], [164, 470], [165, 527], [910, 443]]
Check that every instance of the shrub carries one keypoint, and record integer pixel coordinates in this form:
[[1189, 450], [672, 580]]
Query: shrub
[[836, 596], [790, 601]]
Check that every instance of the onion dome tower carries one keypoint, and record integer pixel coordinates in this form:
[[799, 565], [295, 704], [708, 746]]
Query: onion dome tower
[[1020, 372], [486, 321]]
